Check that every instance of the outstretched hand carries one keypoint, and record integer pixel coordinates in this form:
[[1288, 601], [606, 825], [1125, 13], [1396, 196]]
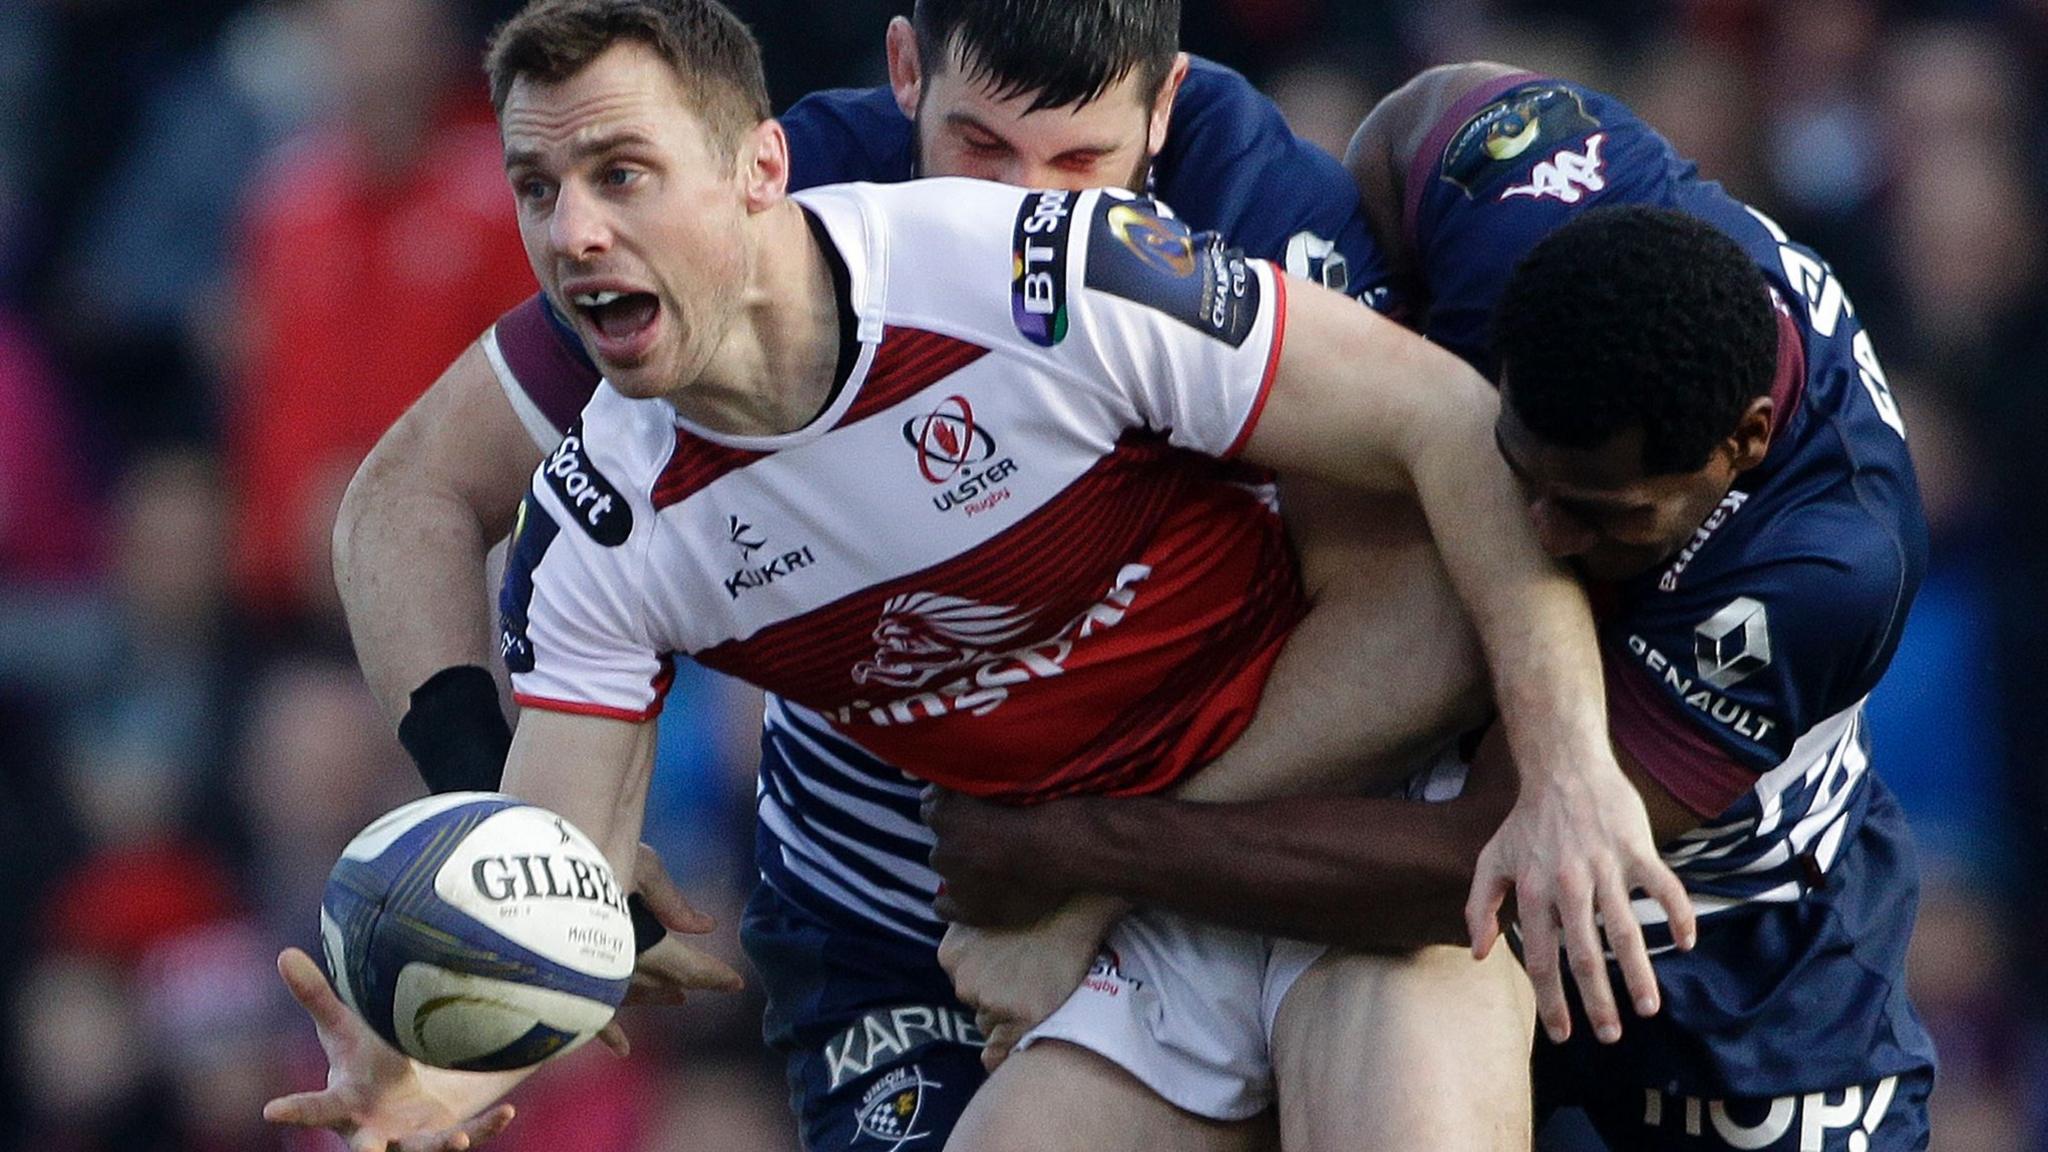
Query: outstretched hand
[[375, 1098], [1571, 851]]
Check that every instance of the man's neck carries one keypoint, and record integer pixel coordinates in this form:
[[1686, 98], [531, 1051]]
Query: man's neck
[[777, 366]]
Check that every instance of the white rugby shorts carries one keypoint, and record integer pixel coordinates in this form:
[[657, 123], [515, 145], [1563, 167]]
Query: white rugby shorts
[[1188, 1007]]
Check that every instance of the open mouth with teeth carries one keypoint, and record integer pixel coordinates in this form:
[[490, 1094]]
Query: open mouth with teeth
[[622, 319]]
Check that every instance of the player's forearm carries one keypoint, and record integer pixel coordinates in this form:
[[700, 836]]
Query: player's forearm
[[409, 563], [1530, 614], [1382, 670], [1363, 873]]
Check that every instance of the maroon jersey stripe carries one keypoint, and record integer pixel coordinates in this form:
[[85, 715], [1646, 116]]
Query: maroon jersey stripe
[[1115, 506], [907, 361], [695, 463], [546, 363]]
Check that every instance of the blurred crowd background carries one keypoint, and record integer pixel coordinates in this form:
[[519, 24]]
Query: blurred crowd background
[[237, 237]]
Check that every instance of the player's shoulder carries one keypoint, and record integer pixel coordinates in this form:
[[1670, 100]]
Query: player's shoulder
[[848, 134], [615, 447], [1824, 579], [942, 254]]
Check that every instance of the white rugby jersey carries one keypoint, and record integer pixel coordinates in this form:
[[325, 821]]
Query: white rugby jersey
[[1011, 556]]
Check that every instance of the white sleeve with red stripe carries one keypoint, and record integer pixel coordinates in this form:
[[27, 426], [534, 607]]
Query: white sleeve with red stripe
[[588, 647], [1187, 328]]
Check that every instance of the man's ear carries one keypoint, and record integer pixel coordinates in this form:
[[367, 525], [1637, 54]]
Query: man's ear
[[764, 163], [1162, 106], [906, 72], [1751, 440]]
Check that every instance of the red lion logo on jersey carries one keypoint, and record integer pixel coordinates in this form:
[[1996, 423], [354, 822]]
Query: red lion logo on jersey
[[922, 634]]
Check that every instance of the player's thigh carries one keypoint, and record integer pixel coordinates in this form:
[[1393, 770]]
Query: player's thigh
[[1887, 1115], [1429, 1050], [1056, 1097]]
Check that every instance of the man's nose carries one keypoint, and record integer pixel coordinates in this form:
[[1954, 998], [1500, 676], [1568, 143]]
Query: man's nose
[[578, 229]]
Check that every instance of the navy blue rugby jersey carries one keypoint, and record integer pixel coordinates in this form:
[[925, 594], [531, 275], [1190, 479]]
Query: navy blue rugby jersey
[[1230, 165], [1737, 669]]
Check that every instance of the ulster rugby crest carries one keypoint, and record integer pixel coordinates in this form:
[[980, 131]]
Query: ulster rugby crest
[[889, 1111]]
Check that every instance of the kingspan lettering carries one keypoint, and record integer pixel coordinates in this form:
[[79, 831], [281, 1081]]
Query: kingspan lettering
[[984, 689]]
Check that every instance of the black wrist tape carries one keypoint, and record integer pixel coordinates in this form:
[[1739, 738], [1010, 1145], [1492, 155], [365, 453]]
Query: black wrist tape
[[455, 731], [647, 931]]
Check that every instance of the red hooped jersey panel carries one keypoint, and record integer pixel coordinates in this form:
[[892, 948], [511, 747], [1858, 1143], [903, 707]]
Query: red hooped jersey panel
[[1011, 556]]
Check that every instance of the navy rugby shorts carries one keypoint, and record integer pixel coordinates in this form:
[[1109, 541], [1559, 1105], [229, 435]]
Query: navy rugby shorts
[[880, 1055], [1786, 1029]]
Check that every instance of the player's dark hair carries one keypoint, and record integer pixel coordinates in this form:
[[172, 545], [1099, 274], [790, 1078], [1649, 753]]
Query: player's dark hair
[[1058, 52], [1636, 317], [711, 50]]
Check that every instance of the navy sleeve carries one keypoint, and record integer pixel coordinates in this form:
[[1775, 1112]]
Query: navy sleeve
[[1710, 686], [1232, 166], [1512, 161], [846, 135]]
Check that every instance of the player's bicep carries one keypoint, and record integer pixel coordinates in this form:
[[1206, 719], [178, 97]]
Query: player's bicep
[[1355, 397], [1183, 328]]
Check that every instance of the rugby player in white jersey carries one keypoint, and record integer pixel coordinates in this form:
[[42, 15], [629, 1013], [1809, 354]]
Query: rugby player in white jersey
[[1285, 372]]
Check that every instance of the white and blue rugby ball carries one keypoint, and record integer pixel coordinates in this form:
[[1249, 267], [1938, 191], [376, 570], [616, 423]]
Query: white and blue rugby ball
[[475, 931]]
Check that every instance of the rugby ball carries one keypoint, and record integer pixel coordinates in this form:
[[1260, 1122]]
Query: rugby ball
[[474, 931]]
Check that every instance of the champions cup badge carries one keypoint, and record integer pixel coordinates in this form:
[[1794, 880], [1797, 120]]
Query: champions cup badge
[[888, 1112]]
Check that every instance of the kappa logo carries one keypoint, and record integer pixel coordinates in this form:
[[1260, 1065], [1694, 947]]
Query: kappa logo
[[889, 1111], [924, 633], [1567, 176], [1733, 644], [1729, 506]]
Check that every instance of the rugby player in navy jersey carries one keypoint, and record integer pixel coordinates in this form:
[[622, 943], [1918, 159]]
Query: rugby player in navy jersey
[[1702, 426]]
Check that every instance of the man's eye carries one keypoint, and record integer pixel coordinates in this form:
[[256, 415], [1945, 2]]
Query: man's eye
[[619, 177]]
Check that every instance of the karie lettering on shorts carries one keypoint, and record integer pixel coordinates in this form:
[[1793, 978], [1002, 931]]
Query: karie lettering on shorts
[[887, 1034], [1857, 1110]]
